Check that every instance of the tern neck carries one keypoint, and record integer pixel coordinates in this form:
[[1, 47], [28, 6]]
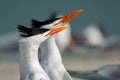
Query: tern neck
[[50, 51], [29, 62]]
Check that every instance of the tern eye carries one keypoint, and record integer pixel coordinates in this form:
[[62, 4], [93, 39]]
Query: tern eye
[[52, 20]]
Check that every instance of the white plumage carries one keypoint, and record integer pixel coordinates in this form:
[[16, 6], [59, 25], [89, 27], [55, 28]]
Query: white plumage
[[51, 60], [30, 69]]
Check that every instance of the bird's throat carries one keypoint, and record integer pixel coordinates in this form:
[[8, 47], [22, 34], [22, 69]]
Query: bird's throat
[[28, 58]]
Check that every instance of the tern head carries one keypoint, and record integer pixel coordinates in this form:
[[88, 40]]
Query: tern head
[[61, 21], [37, 35]]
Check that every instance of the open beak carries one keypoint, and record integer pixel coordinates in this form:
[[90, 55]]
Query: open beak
[[55, 30], [68, 17]]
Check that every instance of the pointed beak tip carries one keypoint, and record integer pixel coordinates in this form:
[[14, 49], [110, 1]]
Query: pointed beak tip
[[81, 10], [65, 19]]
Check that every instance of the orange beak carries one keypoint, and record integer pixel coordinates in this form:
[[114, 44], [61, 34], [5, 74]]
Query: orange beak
[[55, 30], [60, 25], [68, 17]]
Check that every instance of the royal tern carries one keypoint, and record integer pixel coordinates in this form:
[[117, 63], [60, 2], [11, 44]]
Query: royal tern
[[63, 38], [30, 68], [51, 60]]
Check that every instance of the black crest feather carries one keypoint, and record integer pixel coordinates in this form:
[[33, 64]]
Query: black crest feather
[[26, 32], [38, 24]]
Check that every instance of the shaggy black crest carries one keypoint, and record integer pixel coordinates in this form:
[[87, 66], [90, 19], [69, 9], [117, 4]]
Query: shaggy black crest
[[37, 24], [27, 32]]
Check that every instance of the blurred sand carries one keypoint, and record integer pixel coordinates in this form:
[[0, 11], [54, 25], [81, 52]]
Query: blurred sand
[[9, 65], [9, 71]]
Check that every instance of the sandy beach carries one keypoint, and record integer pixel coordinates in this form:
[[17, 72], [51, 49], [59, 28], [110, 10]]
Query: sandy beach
[[9, 63]]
